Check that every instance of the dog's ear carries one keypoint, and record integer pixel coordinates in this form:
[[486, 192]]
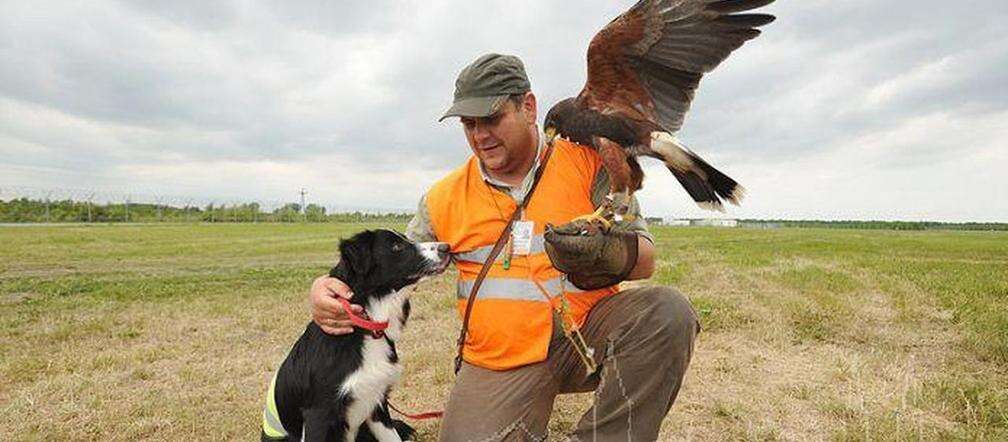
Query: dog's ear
[[355, 256]]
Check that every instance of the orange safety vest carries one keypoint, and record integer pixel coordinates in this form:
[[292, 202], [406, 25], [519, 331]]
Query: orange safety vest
[[511, 322]]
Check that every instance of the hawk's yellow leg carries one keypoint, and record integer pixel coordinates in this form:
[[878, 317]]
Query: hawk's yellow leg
[[602, 215]]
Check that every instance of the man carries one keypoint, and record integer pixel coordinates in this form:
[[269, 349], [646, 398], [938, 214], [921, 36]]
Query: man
[[517, 357]]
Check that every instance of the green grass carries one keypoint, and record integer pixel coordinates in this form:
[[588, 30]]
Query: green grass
[[172, 331]]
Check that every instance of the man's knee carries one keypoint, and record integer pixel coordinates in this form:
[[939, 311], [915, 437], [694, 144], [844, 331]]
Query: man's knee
[[671, 315]]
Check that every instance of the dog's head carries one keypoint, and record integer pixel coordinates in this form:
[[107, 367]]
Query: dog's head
[[383, 261]]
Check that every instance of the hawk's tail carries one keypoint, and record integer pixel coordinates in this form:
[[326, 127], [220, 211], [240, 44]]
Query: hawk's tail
[[707, 185]]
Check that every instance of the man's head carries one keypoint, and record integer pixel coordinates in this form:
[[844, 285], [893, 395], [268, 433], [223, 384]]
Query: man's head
[[494, 102]]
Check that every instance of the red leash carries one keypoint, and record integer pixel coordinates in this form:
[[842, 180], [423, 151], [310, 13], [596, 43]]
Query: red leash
[[419, 416], [376, 328]]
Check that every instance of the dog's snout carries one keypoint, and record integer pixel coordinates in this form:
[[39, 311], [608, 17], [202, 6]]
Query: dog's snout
[[437, 254], [435, 251]]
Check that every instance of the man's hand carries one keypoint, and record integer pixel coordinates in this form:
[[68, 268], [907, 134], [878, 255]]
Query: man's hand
[[327, 312], [591, 258]]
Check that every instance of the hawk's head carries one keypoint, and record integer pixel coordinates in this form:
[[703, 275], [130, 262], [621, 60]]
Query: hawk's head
[[557, 120]]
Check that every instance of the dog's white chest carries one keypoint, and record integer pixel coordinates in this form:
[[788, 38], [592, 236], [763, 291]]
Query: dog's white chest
[[377, 373], [367, 385]]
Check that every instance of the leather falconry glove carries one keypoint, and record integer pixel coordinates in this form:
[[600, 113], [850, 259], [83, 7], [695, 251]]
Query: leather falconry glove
[[591, 257]]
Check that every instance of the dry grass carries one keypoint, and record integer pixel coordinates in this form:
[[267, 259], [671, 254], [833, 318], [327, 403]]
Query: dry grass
[[172, 332]]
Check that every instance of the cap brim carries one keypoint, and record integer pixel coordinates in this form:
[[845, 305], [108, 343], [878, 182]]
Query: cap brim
[[476, 107]]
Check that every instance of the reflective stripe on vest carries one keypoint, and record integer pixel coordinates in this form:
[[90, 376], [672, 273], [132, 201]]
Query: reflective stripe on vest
[[520, 289], [511, 323], [480, 255]]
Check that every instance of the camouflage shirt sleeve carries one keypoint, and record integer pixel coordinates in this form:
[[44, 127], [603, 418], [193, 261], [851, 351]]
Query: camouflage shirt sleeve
[[419, 228], [600, 188]]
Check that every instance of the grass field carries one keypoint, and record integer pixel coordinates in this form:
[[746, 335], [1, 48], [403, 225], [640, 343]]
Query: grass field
[[172, 331]]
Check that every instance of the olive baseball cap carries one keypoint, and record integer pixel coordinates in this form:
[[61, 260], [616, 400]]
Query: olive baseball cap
[[484, 85]]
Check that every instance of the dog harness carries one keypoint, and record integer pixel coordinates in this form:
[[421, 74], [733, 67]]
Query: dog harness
[[271, 425]]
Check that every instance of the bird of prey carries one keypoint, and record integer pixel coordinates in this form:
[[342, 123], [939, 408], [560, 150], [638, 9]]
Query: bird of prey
[[643, 69]]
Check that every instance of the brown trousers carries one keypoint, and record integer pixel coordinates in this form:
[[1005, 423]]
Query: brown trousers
[[643, 341]]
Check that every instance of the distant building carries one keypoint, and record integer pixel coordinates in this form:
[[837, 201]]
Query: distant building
[[760, 225], [654, 220], [714, 222], [676, 222], [709, 222]]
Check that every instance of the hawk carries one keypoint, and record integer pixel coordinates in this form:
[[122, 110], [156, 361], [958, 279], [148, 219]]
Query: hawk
[[643, 69]]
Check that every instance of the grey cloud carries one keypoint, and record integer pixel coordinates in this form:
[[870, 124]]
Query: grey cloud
[[196, 14], [839, 51], [158, 82], [343, 17]]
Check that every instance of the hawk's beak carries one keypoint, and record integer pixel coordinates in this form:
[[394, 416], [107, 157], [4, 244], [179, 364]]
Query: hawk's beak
[[551, 135]]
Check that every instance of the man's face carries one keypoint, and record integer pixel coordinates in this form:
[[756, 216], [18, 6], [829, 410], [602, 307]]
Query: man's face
[[506, 141]]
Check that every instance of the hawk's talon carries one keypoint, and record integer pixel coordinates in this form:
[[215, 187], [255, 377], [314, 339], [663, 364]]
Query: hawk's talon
[[601, 217], [594, 218]]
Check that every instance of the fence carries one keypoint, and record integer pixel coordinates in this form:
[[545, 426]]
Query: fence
[[20, 204]]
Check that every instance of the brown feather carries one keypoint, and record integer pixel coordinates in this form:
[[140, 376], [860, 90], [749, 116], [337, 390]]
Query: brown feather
[[612, 85], [646, 64], [614, 160], [643, 70]]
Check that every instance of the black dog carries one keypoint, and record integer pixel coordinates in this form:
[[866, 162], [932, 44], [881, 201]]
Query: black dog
[[329, 387]]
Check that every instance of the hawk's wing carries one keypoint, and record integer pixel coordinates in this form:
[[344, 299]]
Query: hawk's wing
[[647, 63]]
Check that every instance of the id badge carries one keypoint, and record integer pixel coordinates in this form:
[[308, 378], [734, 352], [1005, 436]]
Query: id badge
[[521, 237]]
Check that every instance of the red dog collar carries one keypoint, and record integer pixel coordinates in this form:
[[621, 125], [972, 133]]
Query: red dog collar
[[376, 328]]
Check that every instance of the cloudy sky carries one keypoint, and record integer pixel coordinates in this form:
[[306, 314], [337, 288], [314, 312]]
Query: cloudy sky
[[843, 109]]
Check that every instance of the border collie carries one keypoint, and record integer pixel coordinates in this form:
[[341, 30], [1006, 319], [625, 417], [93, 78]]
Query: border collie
[[329, 387]]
